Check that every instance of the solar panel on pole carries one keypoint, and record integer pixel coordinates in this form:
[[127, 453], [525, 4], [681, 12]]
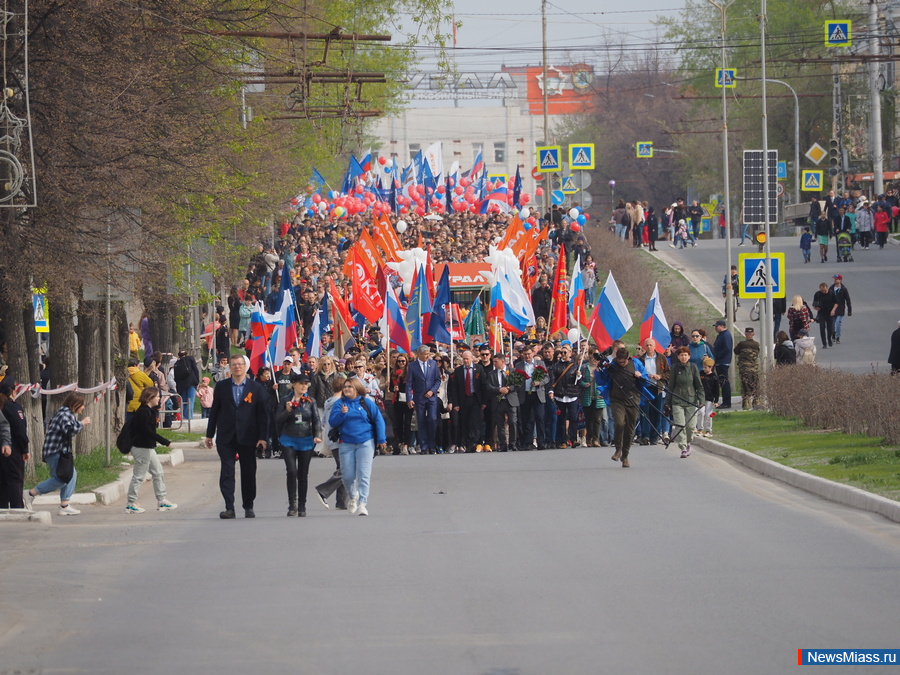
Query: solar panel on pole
[[754, 187]]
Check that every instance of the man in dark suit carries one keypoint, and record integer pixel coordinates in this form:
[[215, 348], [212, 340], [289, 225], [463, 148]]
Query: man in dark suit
[[503, 404], [534, 398], [466, 393], [423, 380], [239, 415]]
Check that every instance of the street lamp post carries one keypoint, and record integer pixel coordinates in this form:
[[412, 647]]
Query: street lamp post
[[729, 292]]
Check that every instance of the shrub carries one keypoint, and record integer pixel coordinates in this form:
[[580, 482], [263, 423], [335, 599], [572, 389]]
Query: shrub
[[831, 399]]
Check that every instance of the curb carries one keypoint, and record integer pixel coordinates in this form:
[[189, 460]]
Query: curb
[[173, 458], [822, 487], [22, 516]]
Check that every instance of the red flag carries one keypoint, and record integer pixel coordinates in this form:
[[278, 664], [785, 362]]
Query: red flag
[[560, 299], [365, 291]]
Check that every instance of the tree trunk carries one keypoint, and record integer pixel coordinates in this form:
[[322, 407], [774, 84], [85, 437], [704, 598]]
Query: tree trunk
[[33, 409], [63, 346], [91, 371]]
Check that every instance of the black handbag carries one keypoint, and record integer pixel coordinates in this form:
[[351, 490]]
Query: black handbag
[[65, 467]]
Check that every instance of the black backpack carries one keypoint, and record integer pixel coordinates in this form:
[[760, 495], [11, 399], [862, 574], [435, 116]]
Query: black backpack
[[123, 440]]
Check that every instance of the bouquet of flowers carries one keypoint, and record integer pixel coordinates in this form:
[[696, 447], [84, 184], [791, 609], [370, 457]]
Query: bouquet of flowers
[[539, 375], [516, 379]]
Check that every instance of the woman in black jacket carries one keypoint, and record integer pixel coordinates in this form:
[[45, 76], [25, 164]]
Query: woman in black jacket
[[12, 466], [299, 428], [144, 439]]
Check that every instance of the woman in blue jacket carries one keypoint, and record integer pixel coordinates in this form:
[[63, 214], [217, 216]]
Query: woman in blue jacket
[[360, 426]]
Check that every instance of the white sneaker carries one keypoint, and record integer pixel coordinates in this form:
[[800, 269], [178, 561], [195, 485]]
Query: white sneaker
[[28, 500], [68, 510], [351, 506], [404, 450], [362, 510], [166, 505], [134, 508]]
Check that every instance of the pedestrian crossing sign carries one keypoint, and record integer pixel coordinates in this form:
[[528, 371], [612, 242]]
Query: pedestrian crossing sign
[[568, 185], [811, 181], [752, 275], [548, 159], [498, 178], [581, 156], [726, 77], [644, 149], [838, 33]]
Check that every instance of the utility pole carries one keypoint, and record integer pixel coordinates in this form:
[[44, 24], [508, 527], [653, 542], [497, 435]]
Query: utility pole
[[875, 100], [767, 339], [729, 292], [547, 182]]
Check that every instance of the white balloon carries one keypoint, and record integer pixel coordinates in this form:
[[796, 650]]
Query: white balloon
[[525, 213], [574, 213], [388, 165], [322, 206], [574, 334], [401, 226]]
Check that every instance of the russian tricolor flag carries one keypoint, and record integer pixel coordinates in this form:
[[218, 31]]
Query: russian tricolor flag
[[654, 324], [393, 323], [314, 343], [577, 294], [610, 319]]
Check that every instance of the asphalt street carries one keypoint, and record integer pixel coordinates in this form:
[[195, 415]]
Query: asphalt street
[[873, 281], [542, 562]]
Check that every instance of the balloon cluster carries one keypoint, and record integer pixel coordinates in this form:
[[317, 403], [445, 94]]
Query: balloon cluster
[[417, 200], [579, 218]]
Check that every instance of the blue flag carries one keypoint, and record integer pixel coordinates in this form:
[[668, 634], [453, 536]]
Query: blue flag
[[437, 326]]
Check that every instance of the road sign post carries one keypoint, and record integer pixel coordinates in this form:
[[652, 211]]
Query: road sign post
[[752, 275], [644, 149], [549, 159], [581, 156]]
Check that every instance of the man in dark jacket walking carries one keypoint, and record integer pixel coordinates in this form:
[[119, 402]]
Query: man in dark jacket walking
[[842, 305], [541, 297], [187, 379], [722, 350]]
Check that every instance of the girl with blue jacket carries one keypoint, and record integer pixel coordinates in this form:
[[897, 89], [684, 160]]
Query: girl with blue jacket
[[360, 426]]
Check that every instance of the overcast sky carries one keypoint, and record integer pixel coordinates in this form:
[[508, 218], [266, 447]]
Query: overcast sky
[[491, 36]]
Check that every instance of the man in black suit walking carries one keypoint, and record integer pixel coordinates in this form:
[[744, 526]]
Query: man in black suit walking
[[239, 415], [503, 402], [466, 393]]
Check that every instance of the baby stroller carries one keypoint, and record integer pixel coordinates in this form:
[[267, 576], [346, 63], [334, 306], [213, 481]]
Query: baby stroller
[[844, 247]]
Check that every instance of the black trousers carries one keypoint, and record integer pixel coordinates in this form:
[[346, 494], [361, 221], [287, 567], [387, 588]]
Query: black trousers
[[725, 384], [503, 411], [532, 415], [471, 426], [12, 481], [826, 330], [247, 459], [567, 411], [297, 464], [335, 483]]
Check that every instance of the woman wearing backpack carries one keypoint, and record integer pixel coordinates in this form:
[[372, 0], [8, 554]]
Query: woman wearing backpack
[[144, 440], [360, 426]]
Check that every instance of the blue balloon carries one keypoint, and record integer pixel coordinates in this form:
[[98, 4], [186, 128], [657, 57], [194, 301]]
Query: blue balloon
[[526, 225], [581, 220]]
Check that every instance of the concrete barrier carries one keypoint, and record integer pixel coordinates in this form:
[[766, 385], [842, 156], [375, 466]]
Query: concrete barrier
[[23, 516], [827, 489]]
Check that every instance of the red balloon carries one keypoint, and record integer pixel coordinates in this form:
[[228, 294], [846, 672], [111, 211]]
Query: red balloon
[[359, 189], [524, 198], [458, 191], [294, 201], [539, 192], [587, 216], [420, 189], [316, 198], [470, 197], [404, 210], [490, 186], [465, 182], [532, 221], [441, 189], [420, 211], [382, 160], [576, 227]]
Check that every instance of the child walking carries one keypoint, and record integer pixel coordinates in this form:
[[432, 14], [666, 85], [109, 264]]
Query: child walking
[[711, 396]]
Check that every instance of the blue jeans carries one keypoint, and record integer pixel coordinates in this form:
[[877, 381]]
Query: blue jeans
[[838, 320], [651, 411], [356, 467], [745, 232], [550, 421], [66, 490], [187, 403]]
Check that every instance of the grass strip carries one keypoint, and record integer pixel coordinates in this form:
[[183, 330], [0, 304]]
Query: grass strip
[[860, 461], [92, 470]]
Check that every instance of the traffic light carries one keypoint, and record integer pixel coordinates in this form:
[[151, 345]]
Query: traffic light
[[834, 157]]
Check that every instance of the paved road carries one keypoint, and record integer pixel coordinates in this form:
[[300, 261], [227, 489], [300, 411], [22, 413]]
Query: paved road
[[541, 562], [873, 280]]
